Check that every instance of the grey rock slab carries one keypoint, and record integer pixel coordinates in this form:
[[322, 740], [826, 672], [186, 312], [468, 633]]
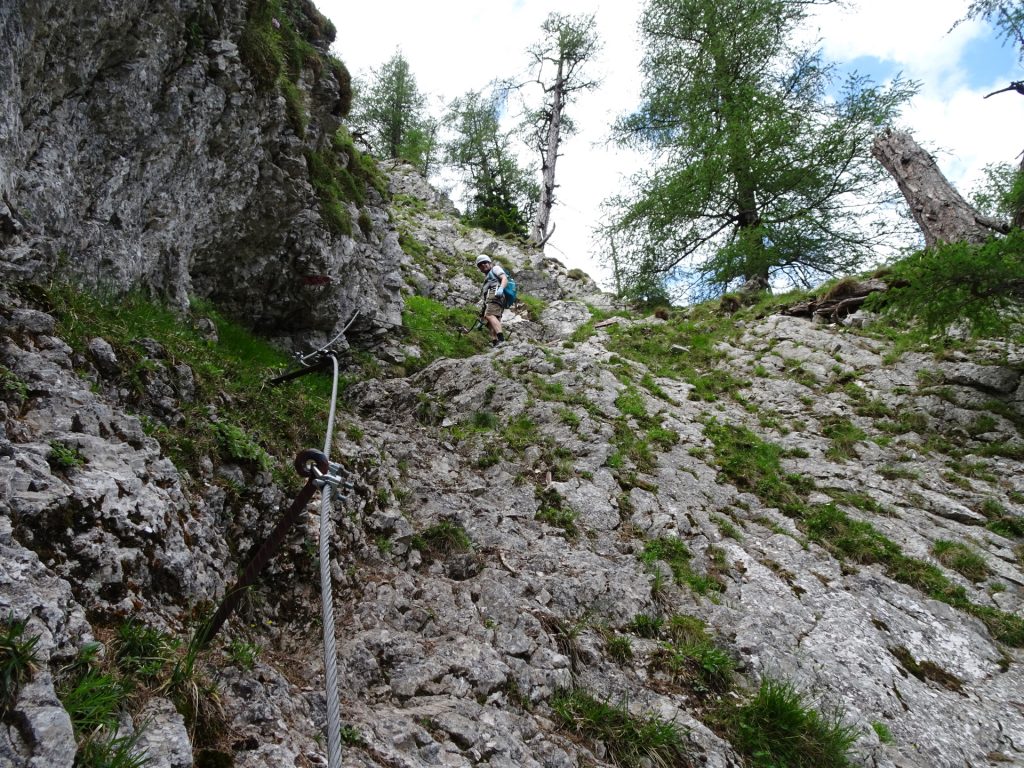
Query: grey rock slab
[[561, 319], [39, 734], [987, 378], [163, 737], [943, 506], [593, 503]]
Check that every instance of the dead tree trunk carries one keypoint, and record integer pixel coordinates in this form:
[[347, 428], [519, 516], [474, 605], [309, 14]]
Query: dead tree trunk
[[1018, 216], [939, 210], [539, 233]]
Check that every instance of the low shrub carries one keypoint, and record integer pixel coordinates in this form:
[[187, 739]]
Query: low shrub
[[64, 457]]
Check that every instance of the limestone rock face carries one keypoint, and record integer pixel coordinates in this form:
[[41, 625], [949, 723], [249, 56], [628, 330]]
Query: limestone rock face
[[116, 516], [790, 609], [137, 150], [44, 735], [500, 546], [451, 655]]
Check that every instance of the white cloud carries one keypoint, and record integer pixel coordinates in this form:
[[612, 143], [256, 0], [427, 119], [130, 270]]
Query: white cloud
[[458, 45], [913, 32], [966, 131]]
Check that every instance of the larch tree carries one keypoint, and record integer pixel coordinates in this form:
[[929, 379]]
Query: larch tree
[[390, 113], [500, 193], [568, 44], [1007, 16], [762, 167]]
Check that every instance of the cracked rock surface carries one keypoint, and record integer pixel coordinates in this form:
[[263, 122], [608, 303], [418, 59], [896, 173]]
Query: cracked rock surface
[[499, 547]]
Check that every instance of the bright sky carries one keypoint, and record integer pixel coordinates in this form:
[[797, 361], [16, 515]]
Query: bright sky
[[458, 45]]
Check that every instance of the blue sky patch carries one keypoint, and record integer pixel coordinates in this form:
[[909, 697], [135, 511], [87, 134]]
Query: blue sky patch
[[988, 58], [879, 70]]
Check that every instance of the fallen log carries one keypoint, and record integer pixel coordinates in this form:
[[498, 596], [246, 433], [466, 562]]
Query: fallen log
[[844, 298]]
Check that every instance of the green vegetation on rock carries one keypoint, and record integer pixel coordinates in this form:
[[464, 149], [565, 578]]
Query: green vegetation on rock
[[279, 421], [675, 554], [280, 42], [341, 174], [754, 465], [778, 728], [632, 741], [442, 539], [18, 659], [438, 331]]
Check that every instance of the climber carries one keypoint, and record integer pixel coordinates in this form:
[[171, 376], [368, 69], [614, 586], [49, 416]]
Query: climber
[[493, 296]]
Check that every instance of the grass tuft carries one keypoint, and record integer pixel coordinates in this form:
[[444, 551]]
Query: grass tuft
[[631, 741], [778, 728], [143, 651], [620, 648], [882, 731], [555, 510], [442, 539], [961, 558], [844, 436], [18, 659]]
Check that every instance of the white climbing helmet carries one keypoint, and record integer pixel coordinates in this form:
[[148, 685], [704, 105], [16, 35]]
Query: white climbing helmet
[[483, 259]]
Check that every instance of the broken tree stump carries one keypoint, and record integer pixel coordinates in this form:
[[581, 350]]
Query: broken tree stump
[[939, 210]]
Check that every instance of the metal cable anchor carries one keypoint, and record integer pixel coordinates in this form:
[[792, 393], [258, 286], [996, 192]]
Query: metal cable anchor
[[314, 464]]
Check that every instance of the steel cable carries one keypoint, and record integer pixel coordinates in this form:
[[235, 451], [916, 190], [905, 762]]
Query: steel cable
[[327, 600]]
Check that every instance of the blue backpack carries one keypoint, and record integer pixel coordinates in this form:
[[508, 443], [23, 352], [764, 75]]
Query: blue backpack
[[510, 291], [508, 297]]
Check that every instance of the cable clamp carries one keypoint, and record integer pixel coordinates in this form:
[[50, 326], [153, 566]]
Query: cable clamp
[[337, 477], [315, 465]]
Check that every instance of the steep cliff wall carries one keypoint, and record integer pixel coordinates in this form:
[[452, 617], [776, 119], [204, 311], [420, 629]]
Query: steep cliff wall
[[169, 145]]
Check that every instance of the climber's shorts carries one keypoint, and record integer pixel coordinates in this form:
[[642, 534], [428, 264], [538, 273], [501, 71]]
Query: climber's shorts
[[494, 308]]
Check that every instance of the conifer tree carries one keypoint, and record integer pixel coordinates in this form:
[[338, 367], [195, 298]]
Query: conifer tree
[[761, 169], [390, 112], [501, 194]]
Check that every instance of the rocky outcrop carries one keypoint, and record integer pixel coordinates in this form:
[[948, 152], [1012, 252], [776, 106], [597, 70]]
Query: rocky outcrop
[[452, 652], [787, 606], [138, 150], [89, 491]]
